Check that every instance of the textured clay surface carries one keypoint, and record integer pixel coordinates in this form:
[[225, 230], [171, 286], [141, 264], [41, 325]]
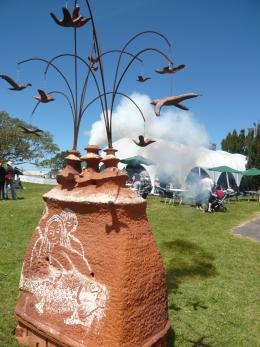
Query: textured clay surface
[[92, 274]]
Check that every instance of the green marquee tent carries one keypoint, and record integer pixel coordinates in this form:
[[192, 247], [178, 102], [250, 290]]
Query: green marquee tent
[[251, 172], [136, 161], [225, 169]]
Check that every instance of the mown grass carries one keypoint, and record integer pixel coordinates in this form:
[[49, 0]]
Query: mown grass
[[213, 275]]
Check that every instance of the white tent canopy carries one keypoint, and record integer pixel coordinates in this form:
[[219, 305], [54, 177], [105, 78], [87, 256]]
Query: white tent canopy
[[178, 159]]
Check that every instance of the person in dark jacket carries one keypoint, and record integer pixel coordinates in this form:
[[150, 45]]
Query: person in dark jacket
[[2, 181], [9, 180]]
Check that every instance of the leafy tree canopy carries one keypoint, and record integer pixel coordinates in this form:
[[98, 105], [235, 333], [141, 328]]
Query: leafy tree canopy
[[19, 147], [57, 162], [247, 143]]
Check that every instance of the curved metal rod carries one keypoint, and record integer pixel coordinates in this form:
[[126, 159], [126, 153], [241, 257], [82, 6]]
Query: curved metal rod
[[124, 72], [119, 93], [61, 93], [75, 81], [85, 83], [65, 55], [131, 40], [35, 107], [100, 62], [50, 62], [58, 70], [84, 94], [119, 51], [56, 92]]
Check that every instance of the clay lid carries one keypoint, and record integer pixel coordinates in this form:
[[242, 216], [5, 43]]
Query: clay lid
[[92, 148], [72, 157], [90, 156], [110, 151]]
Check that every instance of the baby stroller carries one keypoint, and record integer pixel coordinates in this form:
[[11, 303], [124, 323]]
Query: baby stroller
[[217, 204], [145, 189]]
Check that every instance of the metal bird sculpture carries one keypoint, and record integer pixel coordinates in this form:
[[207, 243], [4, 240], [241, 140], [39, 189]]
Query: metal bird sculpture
[[43, 97], [14, 85], [70, 21], [94, 68], [170, 69], [143, 142], [92, 59], [30, 131], [172, 101], [143, 79]]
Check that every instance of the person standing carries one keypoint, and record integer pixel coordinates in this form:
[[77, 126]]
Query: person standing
[[207, 187], [2, 181], [9, 181]]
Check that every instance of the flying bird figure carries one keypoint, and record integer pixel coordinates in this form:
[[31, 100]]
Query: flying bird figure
[[14, 85], [170, 69], [92, 59], [172, 101], [71, 21], [94, 67], [43, 97], [30, 131], [143, 142], [143, 78]]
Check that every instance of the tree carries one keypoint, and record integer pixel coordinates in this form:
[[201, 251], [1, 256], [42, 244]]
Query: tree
[[57, 162], [19, 147], [234, 143], [247, 144]]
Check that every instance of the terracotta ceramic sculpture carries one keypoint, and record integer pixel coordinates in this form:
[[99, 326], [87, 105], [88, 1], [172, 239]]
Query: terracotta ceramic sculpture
[[143, 79], [30, 131], [71, 21], [172, 101], [14, 85], [92, 274], [43, 97], [170, 69]]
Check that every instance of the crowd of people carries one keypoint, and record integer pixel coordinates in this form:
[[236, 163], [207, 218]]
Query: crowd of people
[[8, 183]]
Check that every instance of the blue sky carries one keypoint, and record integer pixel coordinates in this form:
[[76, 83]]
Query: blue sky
[[217, 40]]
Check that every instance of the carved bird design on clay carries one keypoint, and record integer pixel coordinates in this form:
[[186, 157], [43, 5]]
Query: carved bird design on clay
[[170, 69], [172, 101], [143, 78], [31, 131], [143, 142], [70, 21], [14, 85], [43, 97]]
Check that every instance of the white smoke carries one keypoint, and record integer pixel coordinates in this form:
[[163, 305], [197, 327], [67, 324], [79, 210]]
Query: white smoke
[[172, 125], [177, 133]]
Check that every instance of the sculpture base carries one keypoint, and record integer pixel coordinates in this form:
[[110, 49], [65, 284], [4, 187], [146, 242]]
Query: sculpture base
[[28, 337], [92, 275]]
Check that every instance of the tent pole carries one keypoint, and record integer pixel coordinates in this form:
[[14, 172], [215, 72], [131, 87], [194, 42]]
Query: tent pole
[[227, 180]]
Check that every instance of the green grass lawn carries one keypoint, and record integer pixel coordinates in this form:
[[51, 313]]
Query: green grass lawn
[[213, 275]]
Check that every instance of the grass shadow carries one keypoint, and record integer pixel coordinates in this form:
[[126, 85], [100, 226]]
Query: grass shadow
[[189, 260], [171, 338]]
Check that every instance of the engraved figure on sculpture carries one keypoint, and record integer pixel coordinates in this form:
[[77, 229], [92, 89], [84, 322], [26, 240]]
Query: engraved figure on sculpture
[[62, 288], [58, 231]]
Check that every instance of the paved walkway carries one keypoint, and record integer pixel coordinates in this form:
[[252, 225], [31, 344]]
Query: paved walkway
[[250, 229]]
